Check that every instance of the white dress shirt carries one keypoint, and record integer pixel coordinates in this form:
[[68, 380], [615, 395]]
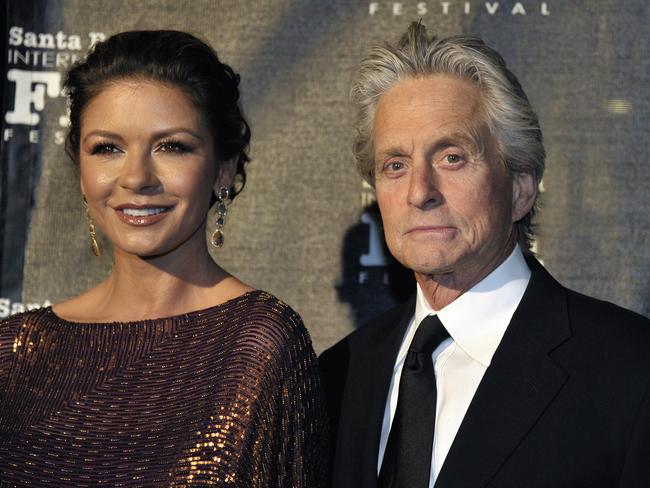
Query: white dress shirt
[[476, 322]]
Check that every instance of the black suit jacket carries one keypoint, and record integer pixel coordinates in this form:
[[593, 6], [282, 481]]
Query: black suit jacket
[[564, 403]]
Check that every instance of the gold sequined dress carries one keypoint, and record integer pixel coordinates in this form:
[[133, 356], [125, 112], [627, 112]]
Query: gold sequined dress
[[228, 396]]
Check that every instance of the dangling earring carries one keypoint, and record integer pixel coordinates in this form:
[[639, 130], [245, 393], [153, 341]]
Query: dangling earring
[[223, 200], [94, 245]]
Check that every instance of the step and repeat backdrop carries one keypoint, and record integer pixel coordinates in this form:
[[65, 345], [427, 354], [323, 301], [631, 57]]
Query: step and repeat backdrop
[[306, 227]]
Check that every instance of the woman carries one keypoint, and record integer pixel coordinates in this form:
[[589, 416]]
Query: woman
[[170, 372]]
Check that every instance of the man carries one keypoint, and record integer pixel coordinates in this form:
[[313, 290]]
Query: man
[[493, 374]]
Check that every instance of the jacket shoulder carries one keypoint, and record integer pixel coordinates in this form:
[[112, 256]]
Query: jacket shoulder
[[337, 362], [597, 313], [608, 327], [371, 330]]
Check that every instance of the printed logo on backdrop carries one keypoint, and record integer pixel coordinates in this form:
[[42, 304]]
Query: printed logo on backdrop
[[35, 66], [7, 307], [36, 63], [465, 7], [372, 281]]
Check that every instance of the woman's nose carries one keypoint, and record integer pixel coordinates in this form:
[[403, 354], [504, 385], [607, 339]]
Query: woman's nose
[[138, 173]]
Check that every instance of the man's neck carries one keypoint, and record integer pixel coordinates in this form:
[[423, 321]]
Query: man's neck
[[442, 289]]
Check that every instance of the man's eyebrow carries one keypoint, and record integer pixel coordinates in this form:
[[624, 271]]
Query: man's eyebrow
[[392, 152], [393, 149], [459, 137], [468, 139]]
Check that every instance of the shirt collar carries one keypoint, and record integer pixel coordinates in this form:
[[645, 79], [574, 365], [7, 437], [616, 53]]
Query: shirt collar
[[477, 320]]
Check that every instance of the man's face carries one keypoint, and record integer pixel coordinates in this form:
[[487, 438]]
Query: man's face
[[447, 201]]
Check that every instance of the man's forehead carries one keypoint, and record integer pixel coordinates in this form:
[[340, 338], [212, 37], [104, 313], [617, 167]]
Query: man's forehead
[[435, 106], [436, 90]]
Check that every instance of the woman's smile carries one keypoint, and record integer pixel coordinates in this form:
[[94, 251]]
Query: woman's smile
[[144, 215]]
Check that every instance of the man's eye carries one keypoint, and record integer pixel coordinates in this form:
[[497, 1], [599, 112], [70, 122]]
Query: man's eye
[[104, 148], [395, 166], [453, 158]]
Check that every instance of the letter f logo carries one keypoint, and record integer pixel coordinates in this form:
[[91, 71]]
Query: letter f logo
[[26, 96]]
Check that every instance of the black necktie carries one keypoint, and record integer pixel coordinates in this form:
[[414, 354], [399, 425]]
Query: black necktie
[[407, 459]]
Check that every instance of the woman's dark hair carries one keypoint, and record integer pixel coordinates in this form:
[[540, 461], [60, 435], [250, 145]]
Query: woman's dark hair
[[172, 58]]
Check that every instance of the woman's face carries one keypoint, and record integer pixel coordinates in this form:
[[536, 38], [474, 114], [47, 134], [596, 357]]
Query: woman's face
[[147, 167]]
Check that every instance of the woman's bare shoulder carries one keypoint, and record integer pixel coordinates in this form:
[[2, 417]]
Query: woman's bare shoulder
[[81, 308], [97, 304], [228, 289]]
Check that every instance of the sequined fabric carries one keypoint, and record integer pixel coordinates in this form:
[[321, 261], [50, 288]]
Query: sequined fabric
[[228, 396]]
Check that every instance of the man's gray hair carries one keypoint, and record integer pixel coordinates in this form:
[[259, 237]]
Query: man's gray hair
[[510, 117]]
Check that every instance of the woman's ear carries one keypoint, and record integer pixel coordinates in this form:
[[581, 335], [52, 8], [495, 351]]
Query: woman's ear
[[226, 175]]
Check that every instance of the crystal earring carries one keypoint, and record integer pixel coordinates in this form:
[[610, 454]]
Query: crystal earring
[[223, 200], [94, 244]]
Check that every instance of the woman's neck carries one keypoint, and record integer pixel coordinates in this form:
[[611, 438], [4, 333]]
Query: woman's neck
[[154, 287], [162, 285]]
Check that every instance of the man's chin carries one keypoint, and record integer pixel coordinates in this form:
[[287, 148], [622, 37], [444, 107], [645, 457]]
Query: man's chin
[[431, 270]]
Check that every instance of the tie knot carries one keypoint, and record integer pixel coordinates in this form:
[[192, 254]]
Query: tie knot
[[429, 335]]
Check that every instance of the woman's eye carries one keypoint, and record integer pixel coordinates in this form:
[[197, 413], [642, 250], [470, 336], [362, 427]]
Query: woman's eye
[[104, 148], [173, 147]]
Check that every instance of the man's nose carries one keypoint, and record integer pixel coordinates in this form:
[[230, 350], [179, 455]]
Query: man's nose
[[138, 173], [424, 186]]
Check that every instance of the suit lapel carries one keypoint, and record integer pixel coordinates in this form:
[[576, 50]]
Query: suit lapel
[[365, 397], [518, 386]]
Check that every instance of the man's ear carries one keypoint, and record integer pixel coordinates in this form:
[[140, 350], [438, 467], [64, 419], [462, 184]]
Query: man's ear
[[226, 175], [524, 191]]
